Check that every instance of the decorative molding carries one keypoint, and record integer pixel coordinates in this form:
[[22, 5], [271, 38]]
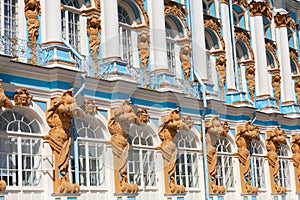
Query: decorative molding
[[143, 45], [276, 83], [185, 55], [295, 146], [244, 36], [297, 91], [258, 8], [22, 97], [272, 48], [224, 1], [59, 117], [240, 2], [32, 10], [89, 107], [4, 101], [250, 76], [284, 20], [215, 25], [214, 129], [167, 132], [274, 140], [221, 69], [245, 134], [118, 126], [93, 30], [178, 12], [142, 7]]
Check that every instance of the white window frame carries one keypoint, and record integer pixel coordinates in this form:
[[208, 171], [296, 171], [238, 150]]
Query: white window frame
[[257, 165], [284, 166], [13, 28]]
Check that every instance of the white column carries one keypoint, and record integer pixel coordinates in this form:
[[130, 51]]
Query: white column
[[158, 42], [110, 29], [53, 21], [199, 39], [228, 47], [262, 81], [287, 89]]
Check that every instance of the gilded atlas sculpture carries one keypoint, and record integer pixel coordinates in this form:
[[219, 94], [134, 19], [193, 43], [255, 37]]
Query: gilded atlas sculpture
[[295, 146], [143, 45], [274, 140], [93, 29], [297, 90], [221, 68], [59, 116], [167, 132], [32, 11], [4, 103], [185, 55], [118, 126], [22, 97], [276, 82], [214, 129], [245, 134], [250, 76]]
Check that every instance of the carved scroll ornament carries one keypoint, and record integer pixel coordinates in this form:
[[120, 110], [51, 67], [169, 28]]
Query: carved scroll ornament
[[221, 68], [185, 55], [118, 126], [245, 38], [250, 76], [276, 83], [241, 2], [258, 8], [214, 129], [181, 13], [215, 26], [245, 135], [143, 45], [167, 132], [295, 146], [142, 7], [59, 116], [284, 20], [273, 141]]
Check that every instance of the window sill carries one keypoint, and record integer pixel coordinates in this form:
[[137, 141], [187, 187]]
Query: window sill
[[192, 189], [93, 188], [19, 189]]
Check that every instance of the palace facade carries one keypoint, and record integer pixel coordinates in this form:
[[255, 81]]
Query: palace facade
[[149, 99]]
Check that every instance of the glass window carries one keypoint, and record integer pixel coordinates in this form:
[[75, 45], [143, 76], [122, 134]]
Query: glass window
[[283, 170], [224, 175], [257, 164], [187, 163], [171, 34], [91, 148], [70, 23], [20, 151], [9, 14], [141, 166]]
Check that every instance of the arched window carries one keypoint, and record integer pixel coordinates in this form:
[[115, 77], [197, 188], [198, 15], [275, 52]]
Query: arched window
[[187, 163], [70, 23], [270, 60], [257, 163], [91, 148], [224, 175], [239, 17], [125, 34], [291, 38], [20, 148], [267, 28], [209, 7], [9, 16], [293, 67], [141, 165], [283, 169]]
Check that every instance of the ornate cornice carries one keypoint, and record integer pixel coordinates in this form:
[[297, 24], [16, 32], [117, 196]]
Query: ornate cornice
[[179, 12], [142, 7], [215, 25], [244, 36], [260, 9], [272, 48], [284, 20], [241, 2]]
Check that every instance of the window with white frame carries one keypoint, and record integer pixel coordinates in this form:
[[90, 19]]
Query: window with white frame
[[125, 35], [187, 163], [257, 164], [70, 23], [91, 148], [141, 158], [171, 34], [224, 175], [283, 169], [9, 11], [20, 148]]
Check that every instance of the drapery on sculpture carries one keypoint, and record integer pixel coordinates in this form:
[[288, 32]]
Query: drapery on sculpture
[[167, 132], [274, 140], [295, 146], [250, 76], [143, 45], [214, 129], [32, 10], [59, 115], [22, 97], [245, 134], [93, 29], [276, 83], [185, 55], [221, 68], [118, 126]]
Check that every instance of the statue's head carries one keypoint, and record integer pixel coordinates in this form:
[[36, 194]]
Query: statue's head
[[22, 97]]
